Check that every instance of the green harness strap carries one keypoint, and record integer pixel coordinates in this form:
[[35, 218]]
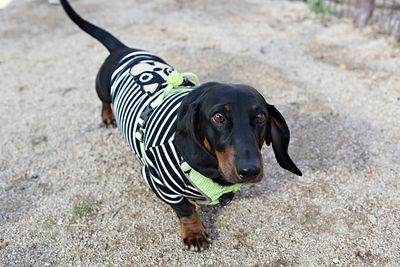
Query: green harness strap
[[211, 190]]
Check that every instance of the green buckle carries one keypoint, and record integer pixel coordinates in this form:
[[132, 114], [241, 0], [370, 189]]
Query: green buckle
[[139, 135], [185, 167], [141, 122]]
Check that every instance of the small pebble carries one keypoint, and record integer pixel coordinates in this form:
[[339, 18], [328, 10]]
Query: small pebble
[[3, 244], [371, 218]]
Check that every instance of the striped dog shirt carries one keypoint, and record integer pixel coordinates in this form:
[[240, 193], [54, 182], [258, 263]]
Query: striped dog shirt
[[139, 79], [139, 82]]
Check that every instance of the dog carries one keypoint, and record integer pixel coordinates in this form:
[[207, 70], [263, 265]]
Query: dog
[[197, 143]]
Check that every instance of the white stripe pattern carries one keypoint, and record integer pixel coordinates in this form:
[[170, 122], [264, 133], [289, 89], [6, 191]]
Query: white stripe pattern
[[161, 168]]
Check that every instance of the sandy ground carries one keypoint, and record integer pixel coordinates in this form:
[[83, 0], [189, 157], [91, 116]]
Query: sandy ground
[[344, 211]]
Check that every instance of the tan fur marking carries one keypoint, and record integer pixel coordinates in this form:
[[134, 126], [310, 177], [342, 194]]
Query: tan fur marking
[[207, 145], [226, 162], [227, 107], [107, 115]]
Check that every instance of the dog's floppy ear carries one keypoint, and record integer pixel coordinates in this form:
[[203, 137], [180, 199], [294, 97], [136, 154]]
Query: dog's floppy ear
[[278, 134], [187, 139]]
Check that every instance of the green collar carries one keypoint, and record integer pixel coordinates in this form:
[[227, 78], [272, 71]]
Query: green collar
[[210, 189]]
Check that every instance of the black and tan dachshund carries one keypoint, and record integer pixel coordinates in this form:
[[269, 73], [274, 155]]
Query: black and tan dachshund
[[197, 143]]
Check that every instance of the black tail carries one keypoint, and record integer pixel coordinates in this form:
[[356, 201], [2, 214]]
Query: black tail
[[104, 37]]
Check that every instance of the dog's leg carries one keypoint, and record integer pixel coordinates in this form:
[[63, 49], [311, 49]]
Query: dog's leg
[[103, 84], [194, 235], [103, 91], [107, 115]]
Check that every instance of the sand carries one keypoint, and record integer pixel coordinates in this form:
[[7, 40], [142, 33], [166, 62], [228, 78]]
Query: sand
[[337, 87]]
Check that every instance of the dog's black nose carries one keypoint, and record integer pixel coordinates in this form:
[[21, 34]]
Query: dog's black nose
[[249, 172]]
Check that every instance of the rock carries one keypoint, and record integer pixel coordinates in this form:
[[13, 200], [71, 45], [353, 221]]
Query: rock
[[372, 218]]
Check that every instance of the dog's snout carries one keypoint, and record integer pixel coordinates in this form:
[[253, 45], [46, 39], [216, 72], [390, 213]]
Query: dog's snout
[[249, 163], [249, 172]]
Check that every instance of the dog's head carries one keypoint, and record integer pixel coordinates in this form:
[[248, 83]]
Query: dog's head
[[221, 129]]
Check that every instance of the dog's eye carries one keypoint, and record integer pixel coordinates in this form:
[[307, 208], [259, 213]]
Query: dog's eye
[[218, 118], [145, 77], [260, 119]]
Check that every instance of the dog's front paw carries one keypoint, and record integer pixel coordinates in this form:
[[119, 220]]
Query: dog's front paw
[[194, 235]]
